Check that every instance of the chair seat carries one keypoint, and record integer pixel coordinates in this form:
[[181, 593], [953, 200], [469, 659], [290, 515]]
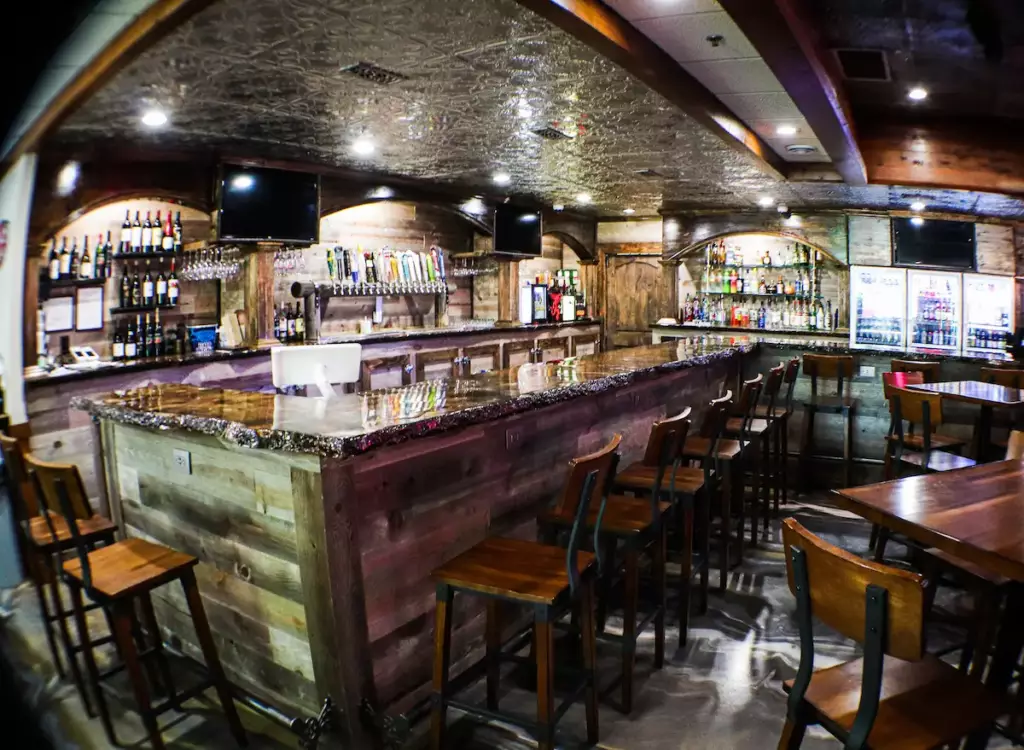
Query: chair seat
[[513, 569], [939, 442], [129, 566], [924, 704], [697, 447], [623, 516], [938, 461], [837, 404], [88, 528], [761, 411], [757, 426], [965, 566], [638, 476]]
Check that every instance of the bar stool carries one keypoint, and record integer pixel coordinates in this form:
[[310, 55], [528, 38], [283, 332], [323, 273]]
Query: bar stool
[[840, 369], [781, 416], [896, 695], [927, 451], [928, 368], [42, 550], [760, 433], [550, 580], [640, 526], [117, 577]]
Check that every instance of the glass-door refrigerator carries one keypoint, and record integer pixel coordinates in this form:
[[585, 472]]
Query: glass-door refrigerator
[[933, 311], [878, 307], [988, 313]]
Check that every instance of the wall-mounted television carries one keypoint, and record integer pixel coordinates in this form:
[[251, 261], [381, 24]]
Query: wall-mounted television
[[517, 230], [258, 204], [933, 244]]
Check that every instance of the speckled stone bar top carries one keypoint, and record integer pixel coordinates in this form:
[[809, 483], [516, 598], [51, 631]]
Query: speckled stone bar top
[[356, 423]]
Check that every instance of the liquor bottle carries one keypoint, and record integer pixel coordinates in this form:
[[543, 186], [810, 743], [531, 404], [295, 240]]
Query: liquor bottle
[[177, 232], [161, 288], [290, 317], [158, 234], [172, 286], [85, 265], [143, 336], [581, 305], [158, 336], [131, 350], [300, 322], [54, 261], [124, 298], [167, 241], [147, 287], [277, 321], [136, 297], [118, 348], [65, 259], [76, 260], [136, 246], [99, 263], [147, 234], [125, 245]]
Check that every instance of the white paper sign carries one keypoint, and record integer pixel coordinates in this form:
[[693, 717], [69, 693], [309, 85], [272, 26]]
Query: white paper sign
[[90, 309], [60, 314]]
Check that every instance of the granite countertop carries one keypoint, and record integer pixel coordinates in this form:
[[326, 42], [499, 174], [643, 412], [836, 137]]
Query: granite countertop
[[356, 423], [377, 337]]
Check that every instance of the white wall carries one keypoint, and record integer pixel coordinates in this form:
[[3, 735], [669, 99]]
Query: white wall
[[15, 202]]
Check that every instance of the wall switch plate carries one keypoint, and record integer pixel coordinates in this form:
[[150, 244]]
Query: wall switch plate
[[182, 461], [867, 371], [512, 438]]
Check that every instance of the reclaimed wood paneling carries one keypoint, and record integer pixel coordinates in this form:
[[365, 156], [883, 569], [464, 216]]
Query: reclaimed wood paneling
[[994, 249], [637, 294], [870, 241]]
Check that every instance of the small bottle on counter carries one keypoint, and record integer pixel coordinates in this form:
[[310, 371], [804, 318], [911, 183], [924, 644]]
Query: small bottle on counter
[[130, 348], [300, 322], [277, 322], [117, 350]]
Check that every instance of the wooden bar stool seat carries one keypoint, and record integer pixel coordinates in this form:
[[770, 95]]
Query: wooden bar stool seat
[[94, 528], [549, 579], [896, 697], [119, 577], [840, 369], [640, 478], [623, 515], [726, 449]]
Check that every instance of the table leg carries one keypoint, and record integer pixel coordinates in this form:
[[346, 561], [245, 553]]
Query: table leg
[[983, 435], [1007, 653]]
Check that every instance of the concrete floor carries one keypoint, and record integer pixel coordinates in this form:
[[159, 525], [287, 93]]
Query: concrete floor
[[722, 690]]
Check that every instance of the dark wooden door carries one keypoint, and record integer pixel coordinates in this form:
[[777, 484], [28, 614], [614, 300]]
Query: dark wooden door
[[637, 293]]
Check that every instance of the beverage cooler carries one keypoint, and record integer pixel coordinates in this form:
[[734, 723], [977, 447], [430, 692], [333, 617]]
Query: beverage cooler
[[933, 311], [878, 307], [988, 312]]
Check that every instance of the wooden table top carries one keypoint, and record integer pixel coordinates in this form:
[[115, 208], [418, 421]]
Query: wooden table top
[[975, 392], [976, 514]]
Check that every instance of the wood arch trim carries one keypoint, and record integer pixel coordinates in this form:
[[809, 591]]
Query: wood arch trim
[[54, 226], [581, 250], [695, 246], [336, 206]]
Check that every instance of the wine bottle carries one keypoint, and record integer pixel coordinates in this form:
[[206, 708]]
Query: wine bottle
[[136, 300], [99, 262], [125, 245], [147, 287], [158, 336], [65, 259], [290, 335], [144, 342], [158, 234], [125, 296], [172, 286], [300, 323], [177, 232], [85, 265], [53, 265], [277, 322], [130, 347], [147, 235], [118, 348], [76, 260], [136, 246], [161, 288], [167, 244]]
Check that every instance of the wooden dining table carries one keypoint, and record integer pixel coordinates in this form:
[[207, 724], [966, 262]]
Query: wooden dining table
[[976, 514], [988, 396]]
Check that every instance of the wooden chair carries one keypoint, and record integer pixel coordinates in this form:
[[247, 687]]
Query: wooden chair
[[550, 580], [782, 414], [929, 370], [840, 369], [925, 450], [43, 549], [896, 697], [640, 526], [118, 577], [913, 437], [1005, 376]]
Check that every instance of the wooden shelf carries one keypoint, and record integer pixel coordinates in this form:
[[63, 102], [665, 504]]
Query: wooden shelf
[[143, 309], [144, 256], [71, 283], [804, 266], [758, 294]]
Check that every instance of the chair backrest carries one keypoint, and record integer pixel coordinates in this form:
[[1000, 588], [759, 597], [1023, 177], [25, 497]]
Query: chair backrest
[[319, 364], [929, 369], [602, 462], [663, 432], [838, 367], [714, 419], [746, 406], [790, 378], [1015, 446], [916, 407], [870, 603], [772, 386], [25, 504], [1004, 376], [895, 380]]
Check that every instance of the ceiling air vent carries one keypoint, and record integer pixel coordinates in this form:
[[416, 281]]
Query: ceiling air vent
[[648, 173], [801, 148], [863, 64], [374, 73], [551, 134]]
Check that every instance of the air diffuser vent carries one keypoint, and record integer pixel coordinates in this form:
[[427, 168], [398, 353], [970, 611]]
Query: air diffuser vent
[[648, 173], [551, 134], [801, 148], [863, 64], [374, 73]]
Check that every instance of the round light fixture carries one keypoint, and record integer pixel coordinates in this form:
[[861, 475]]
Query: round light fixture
[[801, 148], [154, 118], [785, 130], [917, 221], [474, 206], [382, 193], [584, 198], [67, 178], [628, 211], [242, 182], [502, 178], [558, 207], [793, 221], [363, 147], [765, 200], [917, 94], [917, 206], [782, 208]]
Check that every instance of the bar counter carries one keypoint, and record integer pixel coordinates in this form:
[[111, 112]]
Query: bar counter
[[318, 522]]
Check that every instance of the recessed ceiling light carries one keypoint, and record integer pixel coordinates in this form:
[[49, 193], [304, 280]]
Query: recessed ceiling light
[[628, 211], [917, 221], [558, 207], [154, 118], [785, 130], [242, 182], [502, 178], [583, 198], [67, 178], [363, 147], [382, 193], [793, 221], [765, 201], [474, 206], [917, 93], [917, 206], [782, 208], [524, 110]]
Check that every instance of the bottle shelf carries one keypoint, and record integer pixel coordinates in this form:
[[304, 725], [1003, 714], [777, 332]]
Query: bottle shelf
[[71, 283], [142, 309], [804, 266], [760, 295], [302, 289], [145, 256]]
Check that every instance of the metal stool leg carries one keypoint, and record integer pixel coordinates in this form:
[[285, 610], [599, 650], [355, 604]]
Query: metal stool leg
[[442, 656]]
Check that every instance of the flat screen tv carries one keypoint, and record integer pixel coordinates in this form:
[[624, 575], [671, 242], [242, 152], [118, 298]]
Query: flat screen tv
[[274, 205], [933, 244], [517, 230]]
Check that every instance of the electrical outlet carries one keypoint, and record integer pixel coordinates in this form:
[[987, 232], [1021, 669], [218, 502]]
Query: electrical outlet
[[512, 438], [867, 371], [182, 461]]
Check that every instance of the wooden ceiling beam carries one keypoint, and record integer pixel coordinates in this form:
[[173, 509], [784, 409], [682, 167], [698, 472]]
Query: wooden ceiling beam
[[145, 30], [604, 30], [788, 44]]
